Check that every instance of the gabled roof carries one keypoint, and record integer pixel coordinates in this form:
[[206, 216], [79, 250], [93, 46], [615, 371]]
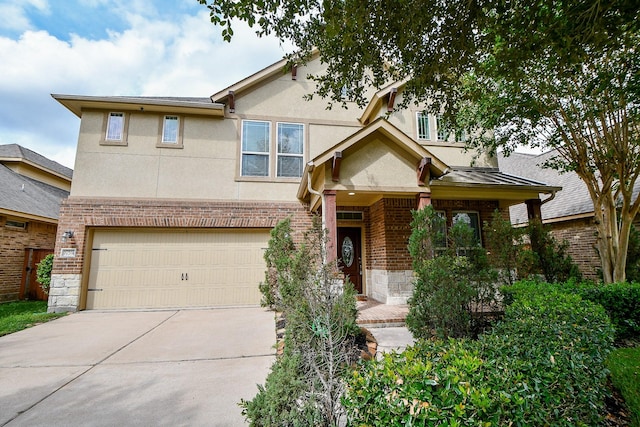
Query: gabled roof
[[25, 197], [15, 152], [186, 105], [391, 133], [270, 72], [573, 201], [375, 103]]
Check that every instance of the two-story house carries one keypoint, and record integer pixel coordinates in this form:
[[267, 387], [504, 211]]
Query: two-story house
[[173, 199]]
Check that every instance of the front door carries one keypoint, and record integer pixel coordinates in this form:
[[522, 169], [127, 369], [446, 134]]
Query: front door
[[350, 255]]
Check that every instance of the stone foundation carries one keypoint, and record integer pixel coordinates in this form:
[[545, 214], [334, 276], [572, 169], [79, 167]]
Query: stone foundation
[[64, 292], [390, 287]]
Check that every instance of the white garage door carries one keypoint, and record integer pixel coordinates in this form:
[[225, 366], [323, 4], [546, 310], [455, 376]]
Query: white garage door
[[171, 269]]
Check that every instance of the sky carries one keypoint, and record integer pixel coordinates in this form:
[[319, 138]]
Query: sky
[[107, 48]]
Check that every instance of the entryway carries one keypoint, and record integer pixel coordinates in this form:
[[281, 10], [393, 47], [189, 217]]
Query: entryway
[[350, 255]]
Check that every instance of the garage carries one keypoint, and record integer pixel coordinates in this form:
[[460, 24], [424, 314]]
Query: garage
[[148, 269]]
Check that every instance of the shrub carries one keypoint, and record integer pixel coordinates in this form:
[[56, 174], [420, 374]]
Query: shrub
[[550, 256], [451, 283], [621, 301], [279, 258], [43, 272], [542, 365], [305, 385], [506, 244]]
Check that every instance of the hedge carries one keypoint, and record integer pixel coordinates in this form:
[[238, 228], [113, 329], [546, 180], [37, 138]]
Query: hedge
[[542, 365]]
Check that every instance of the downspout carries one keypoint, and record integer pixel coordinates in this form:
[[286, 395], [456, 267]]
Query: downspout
[[548, 199]]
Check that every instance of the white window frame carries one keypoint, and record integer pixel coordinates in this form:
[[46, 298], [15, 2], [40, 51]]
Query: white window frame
[[297, 155], [423, 118], [165, 130], [111, 125], [244, 152]]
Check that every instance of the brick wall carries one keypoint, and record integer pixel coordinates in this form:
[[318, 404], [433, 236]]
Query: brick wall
[[581, 235], [79, 214], [13, 243]]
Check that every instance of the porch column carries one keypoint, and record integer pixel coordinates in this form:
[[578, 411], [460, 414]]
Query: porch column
[[330, 223], [534, 209], [424, 200]]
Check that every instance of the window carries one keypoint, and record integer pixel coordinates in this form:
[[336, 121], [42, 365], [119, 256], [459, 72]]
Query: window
[[290, 150], [472, 219], [443, 130], [115, 127], [170, 130], [16, 224], [256, 143], [422, 120]]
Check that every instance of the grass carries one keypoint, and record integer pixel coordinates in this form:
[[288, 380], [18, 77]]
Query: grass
[[19, 315], [624, 364]]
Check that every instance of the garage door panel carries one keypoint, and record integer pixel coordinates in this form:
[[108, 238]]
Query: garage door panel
[[160, 269]]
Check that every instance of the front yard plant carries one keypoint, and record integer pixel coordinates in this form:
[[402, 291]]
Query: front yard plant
[[19, 315], [542, 365], [305, 385], [624, 364]]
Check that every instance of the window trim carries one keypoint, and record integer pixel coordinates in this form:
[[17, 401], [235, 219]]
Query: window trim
[[180, 132], [278, 154], [261, 153], [427, 116], [105, 128], [17, 225]]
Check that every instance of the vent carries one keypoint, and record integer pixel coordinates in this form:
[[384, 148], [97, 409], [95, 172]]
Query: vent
[[349, 216]]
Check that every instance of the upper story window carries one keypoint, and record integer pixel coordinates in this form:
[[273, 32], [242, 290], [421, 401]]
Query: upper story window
[[256, 144], [443, 131], [424, 130], [290, 150], [170, 129], [263, 152], [115, 127]]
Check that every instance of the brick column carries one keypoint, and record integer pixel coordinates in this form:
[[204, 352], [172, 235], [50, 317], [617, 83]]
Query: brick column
[[330, 222], [424, 200]]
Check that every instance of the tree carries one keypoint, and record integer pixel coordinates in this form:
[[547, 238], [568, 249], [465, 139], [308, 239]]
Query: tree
[[561, 74]]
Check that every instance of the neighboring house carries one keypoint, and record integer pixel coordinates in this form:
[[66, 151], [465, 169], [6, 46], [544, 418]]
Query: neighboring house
[[31, 189], [569, 213], [173, 198]]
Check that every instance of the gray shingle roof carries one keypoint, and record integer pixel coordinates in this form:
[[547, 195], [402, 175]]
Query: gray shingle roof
[[489, 177], [573, 199], [22, 194], [19, 152]]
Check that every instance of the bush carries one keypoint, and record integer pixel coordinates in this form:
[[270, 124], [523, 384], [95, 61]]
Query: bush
[[550, 256], [451, 283], [305, 385], [43, 273], [542, 365], [621, 301]]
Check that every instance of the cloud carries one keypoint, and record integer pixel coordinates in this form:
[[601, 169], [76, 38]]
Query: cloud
[[181, 56], [14, 13]]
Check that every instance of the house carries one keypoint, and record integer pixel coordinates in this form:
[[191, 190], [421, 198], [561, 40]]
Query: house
[[173, 199], [569, 214], [31, 189]]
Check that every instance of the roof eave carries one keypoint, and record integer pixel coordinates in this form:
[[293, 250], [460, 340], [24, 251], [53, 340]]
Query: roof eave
[[77, 103]]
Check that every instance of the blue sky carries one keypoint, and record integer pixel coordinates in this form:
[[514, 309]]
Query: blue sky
[[109, 47]]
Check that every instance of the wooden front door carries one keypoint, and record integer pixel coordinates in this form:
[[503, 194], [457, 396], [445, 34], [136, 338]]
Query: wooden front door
[[30, 288], [349, 248]]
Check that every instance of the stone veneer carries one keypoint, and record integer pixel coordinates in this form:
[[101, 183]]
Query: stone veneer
[[390, 287], [64, 292]]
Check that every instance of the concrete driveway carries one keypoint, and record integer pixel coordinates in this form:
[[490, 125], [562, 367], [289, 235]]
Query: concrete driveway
[[154, 368]]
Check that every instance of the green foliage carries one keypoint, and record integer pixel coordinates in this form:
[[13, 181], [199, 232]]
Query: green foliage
[[19, 315], [551, 257], [506, 245], [621, 301], [633, 256], [448, 287], [279, 258], [624, 364], [43, 272], [305, 385], [542, 365]]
